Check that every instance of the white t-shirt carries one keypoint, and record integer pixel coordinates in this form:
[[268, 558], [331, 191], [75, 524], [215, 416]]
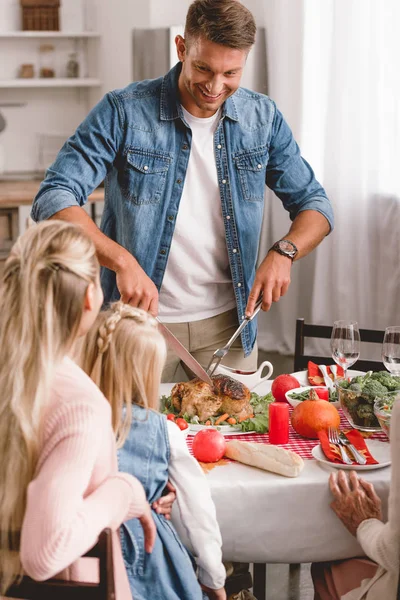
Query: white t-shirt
[[198, 283]]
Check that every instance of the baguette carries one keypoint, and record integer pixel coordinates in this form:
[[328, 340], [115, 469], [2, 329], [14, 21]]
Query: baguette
[[267, 457]]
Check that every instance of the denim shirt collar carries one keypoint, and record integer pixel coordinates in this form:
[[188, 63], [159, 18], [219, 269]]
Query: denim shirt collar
[[170, 106]]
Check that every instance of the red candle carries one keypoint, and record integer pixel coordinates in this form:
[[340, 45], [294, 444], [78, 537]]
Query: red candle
[[278, 423]]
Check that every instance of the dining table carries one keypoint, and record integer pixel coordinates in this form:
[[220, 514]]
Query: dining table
[[268, 518]]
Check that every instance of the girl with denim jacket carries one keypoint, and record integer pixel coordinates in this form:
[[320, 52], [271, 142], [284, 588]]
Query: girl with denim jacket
[[124, 354]]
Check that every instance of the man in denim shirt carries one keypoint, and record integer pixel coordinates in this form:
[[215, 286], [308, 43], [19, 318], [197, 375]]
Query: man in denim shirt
[[185, 159]]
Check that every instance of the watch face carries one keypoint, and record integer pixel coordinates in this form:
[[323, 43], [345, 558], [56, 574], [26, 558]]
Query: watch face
[[286, 247]]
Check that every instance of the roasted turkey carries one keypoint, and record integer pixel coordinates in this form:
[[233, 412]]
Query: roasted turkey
[[226, 395]]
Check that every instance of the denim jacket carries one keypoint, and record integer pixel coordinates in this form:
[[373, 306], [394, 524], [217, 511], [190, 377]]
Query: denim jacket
[[138, 140], [168, 572]]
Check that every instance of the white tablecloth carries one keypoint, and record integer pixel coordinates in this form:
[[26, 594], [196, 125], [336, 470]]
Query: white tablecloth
[[269, 518]]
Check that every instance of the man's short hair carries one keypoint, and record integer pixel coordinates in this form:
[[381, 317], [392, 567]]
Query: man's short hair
[[225, 22]]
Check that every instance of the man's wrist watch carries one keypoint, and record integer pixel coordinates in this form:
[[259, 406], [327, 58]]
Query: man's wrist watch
[[285, 248]]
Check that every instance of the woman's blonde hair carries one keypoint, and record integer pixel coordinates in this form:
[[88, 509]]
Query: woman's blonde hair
[[42, 294], [124, 354]]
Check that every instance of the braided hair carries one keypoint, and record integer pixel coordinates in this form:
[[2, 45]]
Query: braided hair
[[124, 354]]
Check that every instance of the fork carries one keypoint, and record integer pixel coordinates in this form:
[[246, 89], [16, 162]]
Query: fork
[[222, 352], [345, 442], [334, 439]]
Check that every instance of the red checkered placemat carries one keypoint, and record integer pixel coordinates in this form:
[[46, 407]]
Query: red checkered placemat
[[302, 446]]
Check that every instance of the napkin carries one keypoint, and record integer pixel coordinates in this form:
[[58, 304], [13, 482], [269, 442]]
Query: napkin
[[332, 452], [315, 376]]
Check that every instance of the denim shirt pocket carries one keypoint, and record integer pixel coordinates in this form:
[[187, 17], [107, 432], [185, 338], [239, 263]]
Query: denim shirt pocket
[[251, 167], [144, 176], [131, 548]]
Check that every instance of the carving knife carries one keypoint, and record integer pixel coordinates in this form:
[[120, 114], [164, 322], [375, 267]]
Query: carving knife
[[183, 354]]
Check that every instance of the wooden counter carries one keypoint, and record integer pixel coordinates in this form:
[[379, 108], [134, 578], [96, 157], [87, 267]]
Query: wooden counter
[[16, 197], [20, 193]]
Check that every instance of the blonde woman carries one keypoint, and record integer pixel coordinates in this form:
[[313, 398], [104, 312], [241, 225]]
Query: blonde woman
[[124, 354], [59, 481]]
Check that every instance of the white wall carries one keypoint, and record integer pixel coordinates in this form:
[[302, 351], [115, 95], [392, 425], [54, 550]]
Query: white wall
[[116, 23], [164, 14]]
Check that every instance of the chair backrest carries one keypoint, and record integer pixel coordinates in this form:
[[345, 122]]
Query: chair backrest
[[59, 589], [305, 330]]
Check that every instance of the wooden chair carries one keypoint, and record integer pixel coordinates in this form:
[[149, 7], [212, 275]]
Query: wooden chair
[[59, 589], [304, 330]]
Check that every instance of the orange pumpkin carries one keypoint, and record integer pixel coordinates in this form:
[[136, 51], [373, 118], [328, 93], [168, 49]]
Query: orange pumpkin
[[310, 416]]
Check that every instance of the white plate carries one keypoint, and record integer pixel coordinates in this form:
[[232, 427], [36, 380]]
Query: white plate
[[302, 376], [379, 450], [224, 429], [293, 402], [185, 432]]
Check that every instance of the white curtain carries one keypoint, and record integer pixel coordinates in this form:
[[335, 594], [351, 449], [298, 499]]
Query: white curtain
[[334, 71]]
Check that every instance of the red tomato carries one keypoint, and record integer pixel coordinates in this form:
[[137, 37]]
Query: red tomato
[[209, 445], [281, 385], [171, 417], [322, 393], [182, 424]]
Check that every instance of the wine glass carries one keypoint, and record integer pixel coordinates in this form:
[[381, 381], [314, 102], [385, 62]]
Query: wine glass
[[345, 344], [391, 350]]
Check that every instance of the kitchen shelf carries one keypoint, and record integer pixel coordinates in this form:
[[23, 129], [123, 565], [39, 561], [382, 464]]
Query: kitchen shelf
[[49, 34], [50, 82]]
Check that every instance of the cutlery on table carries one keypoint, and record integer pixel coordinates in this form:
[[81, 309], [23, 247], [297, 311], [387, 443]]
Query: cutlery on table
[[328, 381], [222, 352], [333, 437], [334, 372], [360, 459]]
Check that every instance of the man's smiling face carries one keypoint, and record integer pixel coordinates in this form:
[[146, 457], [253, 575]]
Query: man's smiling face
[[210, 74]]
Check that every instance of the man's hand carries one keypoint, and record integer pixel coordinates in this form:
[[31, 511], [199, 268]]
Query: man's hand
[[272, 280], [219, 594], [163, 506], [136, 288], [355, 500], [149, 529]]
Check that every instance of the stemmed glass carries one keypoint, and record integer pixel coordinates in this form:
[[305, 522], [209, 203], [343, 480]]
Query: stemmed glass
[[391, 350], [345, 344]]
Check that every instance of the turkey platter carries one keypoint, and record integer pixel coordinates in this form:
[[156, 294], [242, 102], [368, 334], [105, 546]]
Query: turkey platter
[[225, 396]]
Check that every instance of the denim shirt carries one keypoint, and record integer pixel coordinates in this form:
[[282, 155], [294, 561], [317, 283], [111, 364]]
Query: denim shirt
[[138, 140]]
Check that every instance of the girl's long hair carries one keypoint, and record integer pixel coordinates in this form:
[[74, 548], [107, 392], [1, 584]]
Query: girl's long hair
[[42, 294], [124, 354]]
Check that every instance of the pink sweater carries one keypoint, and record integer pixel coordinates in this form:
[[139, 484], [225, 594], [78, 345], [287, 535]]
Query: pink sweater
[[77, 490]]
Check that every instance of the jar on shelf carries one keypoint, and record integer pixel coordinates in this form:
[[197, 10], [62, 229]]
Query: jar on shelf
[[73, 65], [26, 71], [46, 61]]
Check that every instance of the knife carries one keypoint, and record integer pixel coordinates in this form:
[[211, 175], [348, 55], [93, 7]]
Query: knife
[[327, 380], [183, 354]]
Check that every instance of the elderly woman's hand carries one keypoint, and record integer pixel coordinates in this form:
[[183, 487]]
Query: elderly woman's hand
[[354, 500]]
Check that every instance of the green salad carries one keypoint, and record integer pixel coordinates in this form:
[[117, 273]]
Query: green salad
[[358, 395], [258, 423], [305, 394]]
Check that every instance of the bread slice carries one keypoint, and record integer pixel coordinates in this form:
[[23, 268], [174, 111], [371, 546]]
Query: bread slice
[[266, 456]]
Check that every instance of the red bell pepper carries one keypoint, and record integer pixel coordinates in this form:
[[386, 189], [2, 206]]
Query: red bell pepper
[[322, 393]]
